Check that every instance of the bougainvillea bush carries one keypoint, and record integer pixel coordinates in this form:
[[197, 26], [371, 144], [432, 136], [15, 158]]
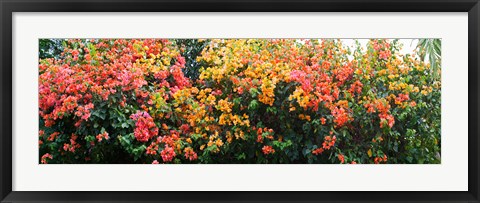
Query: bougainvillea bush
[[236, 101]]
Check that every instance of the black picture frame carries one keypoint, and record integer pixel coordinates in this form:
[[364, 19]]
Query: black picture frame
[[7, 7]]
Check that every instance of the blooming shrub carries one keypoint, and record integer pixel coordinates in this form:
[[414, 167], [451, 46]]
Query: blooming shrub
[[248, 101]]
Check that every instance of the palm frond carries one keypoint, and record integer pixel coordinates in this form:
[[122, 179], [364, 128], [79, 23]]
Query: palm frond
[[431, 49]]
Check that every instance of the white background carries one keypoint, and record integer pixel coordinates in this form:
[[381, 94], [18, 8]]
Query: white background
[[451, 175]]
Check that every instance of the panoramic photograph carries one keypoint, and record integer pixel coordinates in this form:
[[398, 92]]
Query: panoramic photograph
[[239, 101]]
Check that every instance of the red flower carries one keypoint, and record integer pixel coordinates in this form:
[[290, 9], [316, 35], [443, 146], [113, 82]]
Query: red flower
[[341, 116], [75, 54], [378, 160], [44, 158], [259, 135], [385, 54], [102, 136], [341, 158], [329, 142], [145, 128], [386, 118], [240, 90], [185, 128], [152, 149], [356, 87], [268, 150], [323, 120], [317, 151], [53, 136], [190, 154]]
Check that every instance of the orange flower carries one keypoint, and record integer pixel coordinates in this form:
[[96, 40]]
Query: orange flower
[[341, 158], [323, 120], [53, 136], [44, 158], [329, 142], [317, 151], [268, 150], [102, 136], [413, 103], [341, 116]]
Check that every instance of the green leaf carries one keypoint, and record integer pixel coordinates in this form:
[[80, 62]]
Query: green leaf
[[253, 105], [395, 147], [241, 156]]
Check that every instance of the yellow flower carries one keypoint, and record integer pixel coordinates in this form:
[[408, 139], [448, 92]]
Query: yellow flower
[[219, 142], [224, 119], [229, 136], [267, 96], [420, 68]]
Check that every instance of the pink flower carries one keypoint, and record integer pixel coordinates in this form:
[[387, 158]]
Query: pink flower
[[385, 54], [152, 149], [145, 128]]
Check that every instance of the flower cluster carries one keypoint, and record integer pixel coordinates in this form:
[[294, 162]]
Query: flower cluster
[[43, 160], [254, 101], [268, 150], [102, 136], [145, 128]]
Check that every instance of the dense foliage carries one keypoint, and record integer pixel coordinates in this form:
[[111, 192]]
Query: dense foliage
[[237, 101]]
